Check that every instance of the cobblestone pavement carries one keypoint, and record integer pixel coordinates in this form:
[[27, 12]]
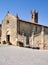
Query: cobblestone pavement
[[13, 55]]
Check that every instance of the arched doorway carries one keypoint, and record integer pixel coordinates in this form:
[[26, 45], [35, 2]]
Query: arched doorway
[[8, 36]]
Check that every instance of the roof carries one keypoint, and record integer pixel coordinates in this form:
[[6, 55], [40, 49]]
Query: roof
[[13, 55], [32, 23], [25, 20]]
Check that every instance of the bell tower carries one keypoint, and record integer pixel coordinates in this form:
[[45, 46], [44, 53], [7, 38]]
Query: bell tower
[[34, 16]]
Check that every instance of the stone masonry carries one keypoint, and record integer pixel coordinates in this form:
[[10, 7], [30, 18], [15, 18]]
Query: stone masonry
[[31, 34]]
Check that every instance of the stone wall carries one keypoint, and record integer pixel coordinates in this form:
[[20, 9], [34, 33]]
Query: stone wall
[[9, 27], [22, 38], [25, 28], [46, 38], [40, 39], [28, 30], [46, 42]]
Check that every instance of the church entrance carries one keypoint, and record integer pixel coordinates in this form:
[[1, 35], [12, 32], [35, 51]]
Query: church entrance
[[8, 38]]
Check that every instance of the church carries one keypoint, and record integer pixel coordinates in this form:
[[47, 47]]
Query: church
[[15, 30]]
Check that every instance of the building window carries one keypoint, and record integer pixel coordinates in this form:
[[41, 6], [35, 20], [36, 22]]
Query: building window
[[7, 21], [36, 29], [27, 39], [35, 32], [32, 15]]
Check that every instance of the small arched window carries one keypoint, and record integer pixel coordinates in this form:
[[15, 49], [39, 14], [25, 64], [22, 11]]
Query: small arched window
[[7, 21], [32, 15]]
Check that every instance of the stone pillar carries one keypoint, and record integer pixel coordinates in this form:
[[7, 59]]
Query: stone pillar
[[32, 38], [42, 38], [16, 38], [17, 28], [23, 38]]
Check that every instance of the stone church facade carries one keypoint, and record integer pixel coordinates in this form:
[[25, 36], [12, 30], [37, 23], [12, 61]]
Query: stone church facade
[[31, 33]]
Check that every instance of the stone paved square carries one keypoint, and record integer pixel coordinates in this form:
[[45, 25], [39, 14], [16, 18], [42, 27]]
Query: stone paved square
[[13, 55]]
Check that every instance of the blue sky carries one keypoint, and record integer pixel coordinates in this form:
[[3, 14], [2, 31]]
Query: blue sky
[[23, 8]]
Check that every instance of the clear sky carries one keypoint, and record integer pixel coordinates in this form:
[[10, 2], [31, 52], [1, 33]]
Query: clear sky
[[23, 8]]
